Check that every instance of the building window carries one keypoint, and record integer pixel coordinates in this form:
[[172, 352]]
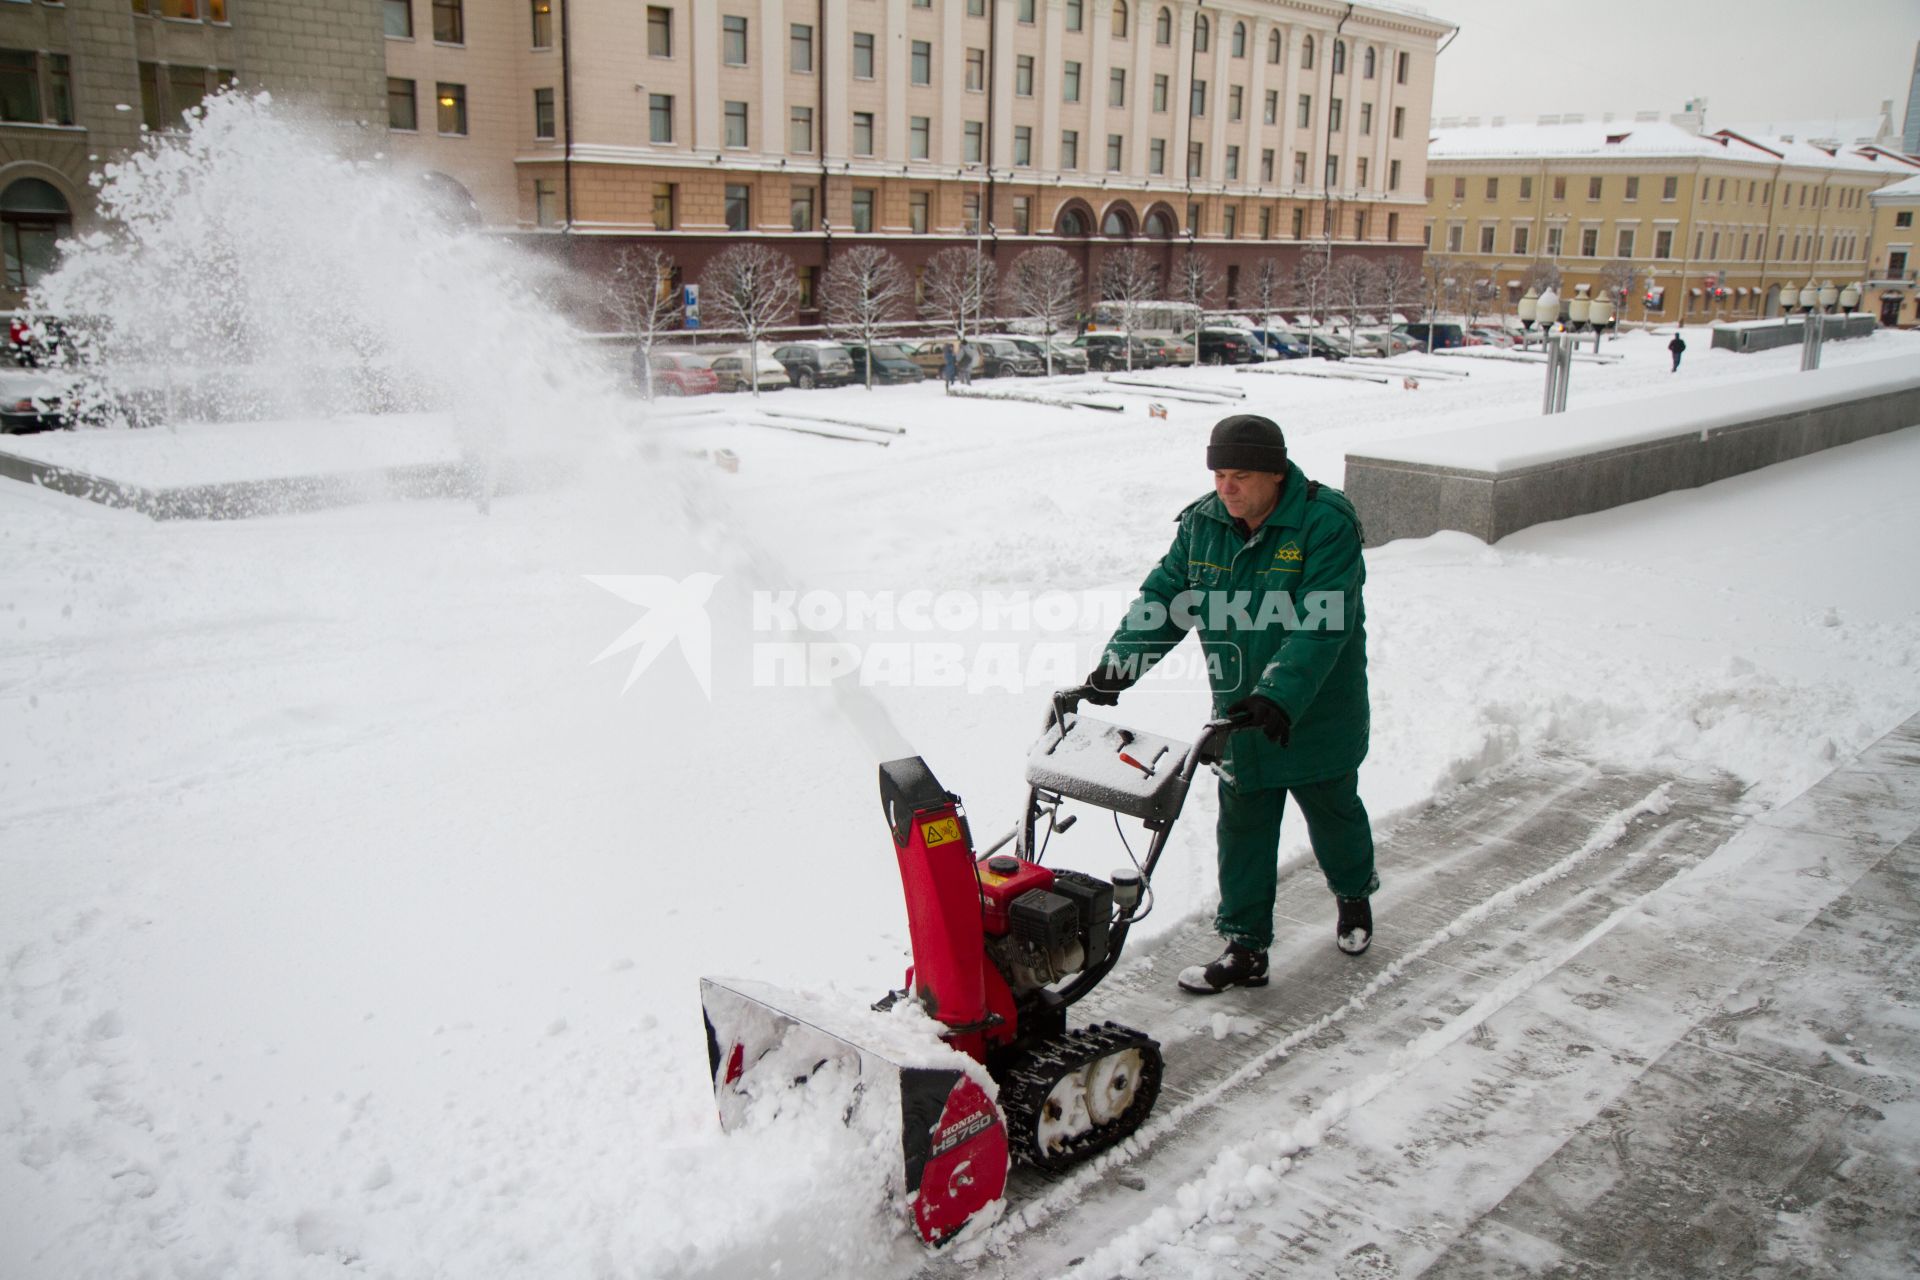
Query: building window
[[542, 28], [1160, 94], [1303, 118], [543, 113], [733, 40], [976, 70], [1559, 188], [800, 208], [1070, 149], [1459, 189], [1454, 234], [1520, 240], [1306, 54], [863, 210], [1333, 172], [863, 133], [1526, 188], [809, 280], [1360, 173], [1335, 109], [1076, 14], [1229, 221], [1299, 168], [1022, 215], [1022, 145], [1235, 102], [1896, 263], [402, 108], [1486, 238], [1593, 188], [1554, 235], [1116, 144], [917, 212], [970, 213], [970, 139], [546, 203], [1670, 189], [1400, 62], [1366, 64], [1266, 222], [1366, 118], [1300, 224], [1266, 164], [663, 201], [1117, 88], [1239, 39], [1233, 164], [660, 117], [1198, 104], [1023, 76], [1202, 33], [800, 48], [1393, 175], [863, 55], [1157, 157], [1590, 242], [919, 137], [1633, 189], [735, 124], [1623, 247], [922, 62], [1070, 83], [1339, 57], [1163, 26], [449, 22], [1393, 227], [800, 130], [1196, 159], [1025, 12], [399, 18], [739, 207], [1193, 218], [1270, 113], [452, 100], [34, 218], [1399, 122], [1903, 219], [659, 31]]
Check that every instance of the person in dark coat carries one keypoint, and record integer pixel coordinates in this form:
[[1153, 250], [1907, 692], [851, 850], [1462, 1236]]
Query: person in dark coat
[[1267, 568], [947, 365], [966, 364], [1679, 348]]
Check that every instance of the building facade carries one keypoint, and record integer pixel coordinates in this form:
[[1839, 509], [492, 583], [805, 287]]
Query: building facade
[[1249, 128], [1891, 257], [1681, 228], [84, 81]]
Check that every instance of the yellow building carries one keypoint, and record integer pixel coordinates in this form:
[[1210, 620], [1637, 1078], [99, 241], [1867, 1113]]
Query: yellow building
[[1891, 290], [1680, 227]]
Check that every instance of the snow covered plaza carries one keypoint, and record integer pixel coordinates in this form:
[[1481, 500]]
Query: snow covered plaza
[[361, 856]]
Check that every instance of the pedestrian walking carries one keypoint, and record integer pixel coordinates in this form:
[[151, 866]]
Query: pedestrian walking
[[1679, 348], [966, 364], [947, 365]]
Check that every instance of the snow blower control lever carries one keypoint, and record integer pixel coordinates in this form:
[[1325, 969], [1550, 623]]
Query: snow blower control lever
[[1002, 947]]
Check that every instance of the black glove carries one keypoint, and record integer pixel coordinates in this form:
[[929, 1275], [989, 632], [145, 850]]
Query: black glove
[[1104, 687], [1263, 714]]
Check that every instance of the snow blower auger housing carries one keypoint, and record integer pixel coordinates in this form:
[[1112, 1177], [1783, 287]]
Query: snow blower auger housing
[[1003, 946]]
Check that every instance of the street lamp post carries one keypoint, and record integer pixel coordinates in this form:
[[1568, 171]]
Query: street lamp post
[[1600, 316], [1528, 309]]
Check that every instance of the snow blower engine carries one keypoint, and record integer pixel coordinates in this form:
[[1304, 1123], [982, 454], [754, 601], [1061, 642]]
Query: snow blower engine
[[1003, 946]]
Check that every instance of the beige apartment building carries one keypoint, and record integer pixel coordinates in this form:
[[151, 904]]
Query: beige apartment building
[[1680, 227], [1891, 260], [84, 81], [1251, 128]]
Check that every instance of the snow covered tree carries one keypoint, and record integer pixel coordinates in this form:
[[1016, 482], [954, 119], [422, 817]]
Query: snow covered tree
[[1351, 284], [1617, 278], [752, 288], [1128, 278], [957, 284], [1196, 282], [1044, 285], [1310, 284], [1269, 284], [644, 300], [864, 289], [1397, 279]]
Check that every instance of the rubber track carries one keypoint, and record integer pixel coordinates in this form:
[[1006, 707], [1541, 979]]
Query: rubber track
[[1028, 1083]]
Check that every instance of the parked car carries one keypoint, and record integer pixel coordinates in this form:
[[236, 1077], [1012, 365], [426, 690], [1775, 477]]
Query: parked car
[[730, 367], [1066, 359], [32, 401], [1000, 357], [1396, 342], [891, 363], [1493, 336], [1175, 351], [816, 364], [1444, 335], [1107, 350], [929, 356], [1364, 345], [679, 373], [1280, 344], [1223, 346], [1320, 344]]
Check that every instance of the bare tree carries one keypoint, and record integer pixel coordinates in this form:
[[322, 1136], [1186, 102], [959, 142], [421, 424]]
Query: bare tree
[[751, 287], [1195, 282], [1310, 284], [1269, 283], [1045, 284], [644, 301], [1617, 279], [1351, 284], [864, 289], [1129, 278], [1478, 295], [1398, 279], [957, 284]]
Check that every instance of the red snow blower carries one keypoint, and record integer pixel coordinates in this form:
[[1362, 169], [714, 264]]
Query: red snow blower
[[1002, 947]]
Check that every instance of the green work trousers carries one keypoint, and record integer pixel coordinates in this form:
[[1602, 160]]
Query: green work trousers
[[1249, 838]]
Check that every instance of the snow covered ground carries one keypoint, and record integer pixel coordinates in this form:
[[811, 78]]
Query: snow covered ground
[[354, 913]]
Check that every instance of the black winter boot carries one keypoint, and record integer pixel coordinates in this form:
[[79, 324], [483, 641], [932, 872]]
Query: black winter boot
[[1354, 932], [1237, 966]]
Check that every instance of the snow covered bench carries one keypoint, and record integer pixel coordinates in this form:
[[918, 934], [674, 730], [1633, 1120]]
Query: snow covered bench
[[1495, 479]]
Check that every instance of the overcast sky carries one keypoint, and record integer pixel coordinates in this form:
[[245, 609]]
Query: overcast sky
[[1753, 60]]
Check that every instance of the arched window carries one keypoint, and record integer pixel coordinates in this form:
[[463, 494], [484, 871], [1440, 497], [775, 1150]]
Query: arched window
[[1202, 30], [1116, 224], [1367, 63], [1163, 26], [1159, 225], [1339, 57], [1306, 53], [1072, 223], [1273, 46], [1239, 39], [34, 216], [1120, 19]]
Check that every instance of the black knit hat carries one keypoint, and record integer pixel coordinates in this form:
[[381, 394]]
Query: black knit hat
[[1247, 442]]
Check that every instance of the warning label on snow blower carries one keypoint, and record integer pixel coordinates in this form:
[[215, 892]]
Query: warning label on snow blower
[[942, 831]]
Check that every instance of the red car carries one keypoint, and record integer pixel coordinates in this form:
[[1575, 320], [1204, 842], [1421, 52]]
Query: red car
[[679, 375]]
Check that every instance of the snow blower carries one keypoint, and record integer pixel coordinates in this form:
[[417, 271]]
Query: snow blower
[[1003, 946]]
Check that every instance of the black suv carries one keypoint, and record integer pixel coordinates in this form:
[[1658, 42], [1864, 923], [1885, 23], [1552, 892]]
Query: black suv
[[816, 364], [1109, 351], [1224, 346], [890, 363]]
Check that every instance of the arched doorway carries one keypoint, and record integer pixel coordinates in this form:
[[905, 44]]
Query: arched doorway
[[34, 217]]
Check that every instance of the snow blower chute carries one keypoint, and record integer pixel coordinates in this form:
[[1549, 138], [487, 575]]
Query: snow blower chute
[[1002, 947]]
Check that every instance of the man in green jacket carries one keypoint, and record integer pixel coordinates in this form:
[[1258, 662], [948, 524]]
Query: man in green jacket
[[1267, 568]]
